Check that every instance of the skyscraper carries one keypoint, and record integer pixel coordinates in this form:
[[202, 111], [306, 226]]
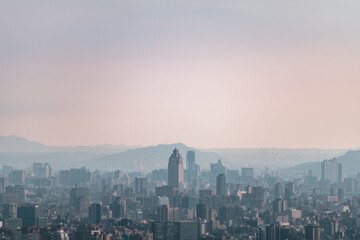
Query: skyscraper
[[247, 173], [79, 199], [29, 214], [37, 169], [175, 169], [17, 177], [340, 173], [216, 169], [95, 213], [289, 190], [332, 171], [184, 230], [279, 205], [3, 184], [190, 160], [272, 232], [190, 165], [278, 191], [202, 211], [312, 232], [193, 170], [141, 186], [221, 185], [18, 190]]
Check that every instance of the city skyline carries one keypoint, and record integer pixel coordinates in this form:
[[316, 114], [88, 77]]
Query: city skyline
[[179, 120], [220, 202], [209, 74]]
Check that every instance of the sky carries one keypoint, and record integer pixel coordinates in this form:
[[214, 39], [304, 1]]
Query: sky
[[209, 74]]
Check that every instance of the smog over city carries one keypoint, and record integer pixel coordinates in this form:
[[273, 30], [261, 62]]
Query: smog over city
[[180, 120]]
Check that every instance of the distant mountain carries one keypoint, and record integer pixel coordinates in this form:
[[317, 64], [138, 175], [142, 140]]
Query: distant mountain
[[21, 153], [19, 144], [13, 144], [275, 158], [350, 161], [59, 160], [18, 151], [154, 157]]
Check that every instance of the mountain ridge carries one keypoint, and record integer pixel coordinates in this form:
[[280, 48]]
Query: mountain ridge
[[14, 143], [350, 161], [154, 157]]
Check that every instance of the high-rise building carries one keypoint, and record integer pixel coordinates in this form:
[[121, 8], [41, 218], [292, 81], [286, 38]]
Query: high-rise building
[[257, 197], [190, 160], [141, 186], [232, 176], [332, 171], [37, 169], [168, 191], [312, 232], [193, 170], [29, 214], [202, 211], [42, 170], [184, 230], [118, 209], [341, 194], [247, 173], [165, 213], [289, 190], [75, 176], [340, 173], [17, 177], [216, 169], [188, 230], [175, 169], [79, 199], [18, 190], [310, 179], [278, 191], [272, 232], [6, 170], [279, 206], [118, 175], [49, 169], [221, 185], [95, 213], [3, 184], [10, 210], [13, 224], [162, 213]]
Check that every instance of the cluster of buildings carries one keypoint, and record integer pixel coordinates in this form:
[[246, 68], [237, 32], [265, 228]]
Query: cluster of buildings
[[180, 202]]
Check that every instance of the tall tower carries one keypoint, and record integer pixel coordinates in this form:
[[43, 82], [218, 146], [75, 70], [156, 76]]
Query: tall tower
[[330, 170], [221, 185], [175, 169], [193, 169], [278, 191], [95, 213], [190, 160], [216, 169], [340, 173], [141, 186]]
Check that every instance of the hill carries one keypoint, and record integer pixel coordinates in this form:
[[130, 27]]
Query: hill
[[12, 144], [153, 157], [350, 161], [21, 153]]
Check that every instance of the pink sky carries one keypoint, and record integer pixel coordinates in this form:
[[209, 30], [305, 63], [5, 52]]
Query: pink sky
[[205, 74]]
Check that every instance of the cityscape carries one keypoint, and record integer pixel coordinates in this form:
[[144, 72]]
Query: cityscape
[[179, 120], [183, 201]]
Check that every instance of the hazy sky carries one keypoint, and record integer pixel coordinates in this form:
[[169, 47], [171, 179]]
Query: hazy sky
[[206, 73]]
